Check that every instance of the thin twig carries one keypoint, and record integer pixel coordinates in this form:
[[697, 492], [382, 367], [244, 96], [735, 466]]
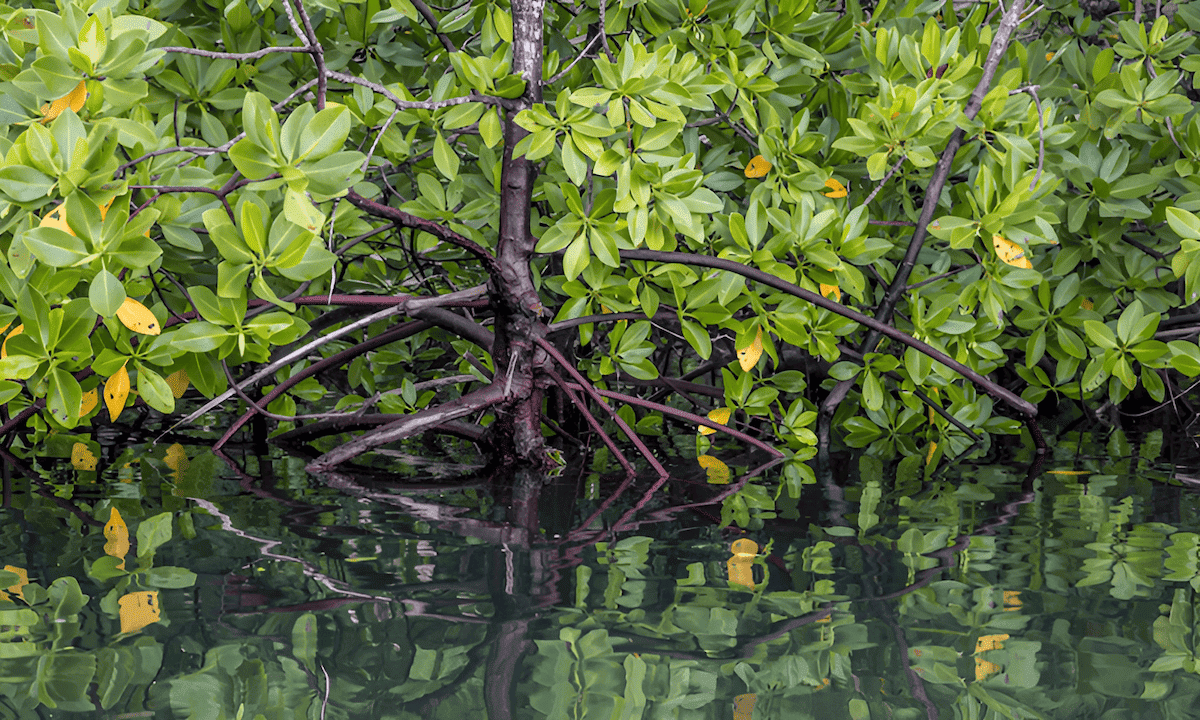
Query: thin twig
[[887, 177], [215, 55], [433, 24]]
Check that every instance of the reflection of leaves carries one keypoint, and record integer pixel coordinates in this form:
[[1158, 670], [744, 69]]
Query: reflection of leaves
[[138, 609], [116, 536]]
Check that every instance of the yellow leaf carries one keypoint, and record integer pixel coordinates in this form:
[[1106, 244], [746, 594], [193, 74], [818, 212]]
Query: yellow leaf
[[720, 415], [82, 458], [138, 609], [116, 536], [1012, 600], [834, 290], [985, 668], [1011, 253], [116, 389], [748, 356], [741, 563], [176, 458], [836, 189], [718, 472], [743, 706], [88, 402], [1049, 57], [138, 318], [757, 167], [57, 219], [178, 382], [932, 450], [17, 589], [4, 346], [73, 100], [1069, 472], [990, 642], [1085, 304]]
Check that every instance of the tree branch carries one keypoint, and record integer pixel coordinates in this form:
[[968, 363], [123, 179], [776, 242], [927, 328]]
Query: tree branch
[[438, 230]]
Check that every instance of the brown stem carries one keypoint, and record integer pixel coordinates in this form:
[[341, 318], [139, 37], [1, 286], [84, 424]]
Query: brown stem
[[403, 219]]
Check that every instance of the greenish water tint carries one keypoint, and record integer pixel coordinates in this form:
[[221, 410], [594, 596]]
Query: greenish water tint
[[245, 588]]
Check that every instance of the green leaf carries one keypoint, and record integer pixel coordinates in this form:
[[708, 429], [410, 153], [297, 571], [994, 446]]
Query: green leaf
[[325, 134], [261, 125], [445, 158], [23, 184], [251, 160], [106, 294], [154, 390], [152, 533], [55, 247]]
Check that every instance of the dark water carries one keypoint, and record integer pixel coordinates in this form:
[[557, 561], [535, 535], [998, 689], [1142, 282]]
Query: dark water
[[250, 589]]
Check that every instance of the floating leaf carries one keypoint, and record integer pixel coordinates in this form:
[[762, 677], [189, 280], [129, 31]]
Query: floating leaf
[[116, 389], [18, 588], [88, 402], [138, 318], [178, 382], [748, 356], [757, 167], [116, 536], [176, 458], [743, 706], [983, 668], [73, 100], [836, 189], [831, 290], [720, 415], [82, 458], [4, 346], [1011, 253], [741, 563], [718, 472], [138, 609]]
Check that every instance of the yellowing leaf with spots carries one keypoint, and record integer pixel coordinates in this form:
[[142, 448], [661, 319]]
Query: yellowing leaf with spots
[[720, 415], [88, 402], [18, 588], [741, 562], [757, 167], [82, 458], [73, 100], [116, 389], [178, 382], [831, 291], [718, 472], [984, 668], [116, 536], [1011, 253], [138, 609], [743, 706], [836, 189], [1087, 304], [749, 355], [138, 318], [57, 219], [4, 346]]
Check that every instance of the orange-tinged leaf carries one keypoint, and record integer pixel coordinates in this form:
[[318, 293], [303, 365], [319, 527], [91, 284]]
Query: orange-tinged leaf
[[718, 472], [116, 389], [176, 458], [743, 706], [1087, 304], [73, 100], [4, 346], [178, 382], [741, 562], [1011, 253], [138, 609], [82, 458], [834, 290], [1049, 57], [748, 356], [836, 189], [88, 402], [17, 589], [116, 536], [757, 167], [138, 318], [720, 415]]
